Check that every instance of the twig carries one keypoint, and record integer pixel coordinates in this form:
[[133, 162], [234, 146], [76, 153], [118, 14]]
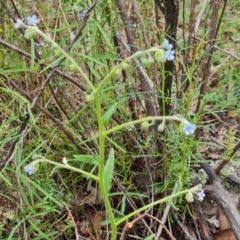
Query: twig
[[225, 162], [128, 25], [217, 193], [182, 226], [129, 226], [199, 17], [129, 199], [165, 214], [212, 37], [140, 19], [138, 64], [73, 222], [126, 230]]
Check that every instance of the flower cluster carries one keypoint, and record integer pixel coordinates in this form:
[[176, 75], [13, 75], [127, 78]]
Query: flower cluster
[[198, 191], [31, 20], [165, 53]]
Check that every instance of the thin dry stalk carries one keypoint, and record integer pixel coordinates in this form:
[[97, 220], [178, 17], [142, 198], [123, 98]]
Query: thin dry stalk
[[212, 40]]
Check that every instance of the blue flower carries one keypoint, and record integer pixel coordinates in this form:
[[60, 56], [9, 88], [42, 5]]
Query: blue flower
[[167, 45], [33, 20], [19, 24], [29, 169], [189, 128], [170, 54], [201, 195]]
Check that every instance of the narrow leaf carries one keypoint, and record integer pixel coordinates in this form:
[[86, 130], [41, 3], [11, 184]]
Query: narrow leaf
[[86, 159], [108, 114], [150, 237], [108, 171], [32, 53]]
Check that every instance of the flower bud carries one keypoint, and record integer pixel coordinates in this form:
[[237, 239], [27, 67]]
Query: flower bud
[[89, 98], [29, 33], [145, 125], [160, 55], [189, 197], [72, 67], [147, 60], [65, 161], [161, 126], [116, 72], [125, 65]]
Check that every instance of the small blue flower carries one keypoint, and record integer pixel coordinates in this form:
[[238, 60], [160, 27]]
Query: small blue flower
[[29, 169], [170, 54], [189, 128], [19, 24], [201, 195], [33, 20], [167, 45]]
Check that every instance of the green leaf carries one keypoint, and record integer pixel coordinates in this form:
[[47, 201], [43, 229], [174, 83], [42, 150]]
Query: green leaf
[[86, 159], [93, 71], [104, 35], [93, 59], [150, 237], [32, 53], [108, 114], [108, 171]]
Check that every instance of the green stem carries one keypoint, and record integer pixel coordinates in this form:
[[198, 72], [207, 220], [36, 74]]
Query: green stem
[[135, 55], [163, 90], [65, 54], [67, 166], [166, 199], [147, 119], [101, 180]]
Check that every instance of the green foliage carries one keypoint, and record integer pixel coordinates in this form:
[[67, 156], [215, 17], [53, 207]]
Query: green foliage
[[108, 171], [110, 134]]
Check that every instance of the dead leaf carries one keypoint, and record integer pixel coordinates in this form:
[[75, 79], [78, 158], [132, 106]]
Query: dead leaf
[[224, 235], [214, 223]]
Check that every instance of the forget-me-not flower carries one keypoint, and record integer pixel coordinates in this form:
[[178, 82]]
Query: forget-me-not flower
[[19, 24], [167, 45], [169, 53], [201, 195], [33, 20], [29, 169], [189, 128]]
